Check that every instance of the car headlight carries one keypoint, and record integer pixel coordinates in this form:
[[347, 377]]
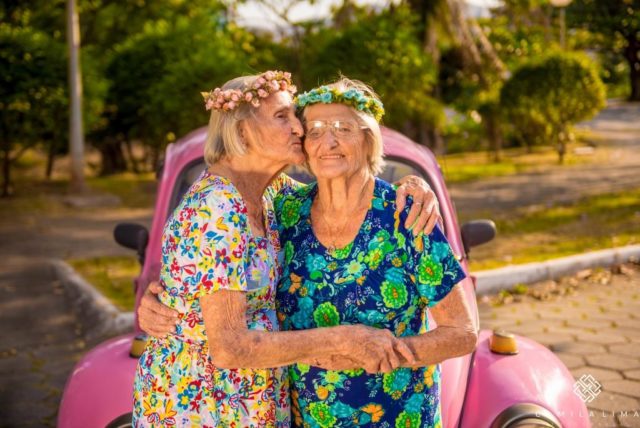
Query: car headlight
[[526, 415]]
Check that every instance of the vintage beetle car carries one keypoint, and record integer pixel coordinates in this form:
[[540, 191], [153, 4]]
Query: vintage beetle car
[[485, 389]]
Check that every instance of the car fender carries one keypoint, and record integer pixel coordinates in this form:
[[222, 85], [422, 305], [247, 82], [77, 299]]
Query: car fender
[[534, 375], [100, 387]]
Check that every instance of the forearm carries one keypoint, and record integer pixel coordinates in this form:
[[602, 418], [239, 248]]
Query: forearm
[[440, 344], [263, 349]]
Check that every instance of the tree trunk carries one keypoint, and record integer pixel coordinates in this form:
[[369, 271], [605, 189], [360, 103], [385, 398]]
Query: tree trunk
[[76, 135], [113, 160], [50, 159], [132, 158], [494, 134], [431, 137], [562, 150], [632, 54], [6, 170], [155, 159]]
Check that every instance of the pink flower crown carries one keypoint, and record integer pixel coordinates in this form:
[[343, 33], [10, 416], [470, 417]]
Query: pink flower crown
[[266, 84]]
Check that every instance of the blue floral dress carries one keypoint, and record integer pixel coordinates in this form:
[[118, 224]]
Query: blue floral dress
[[386, 279]]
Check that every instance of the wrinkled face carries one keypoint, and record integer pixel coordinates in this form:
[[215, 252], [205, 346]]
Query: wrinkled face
[[335, 143], [275, 132]]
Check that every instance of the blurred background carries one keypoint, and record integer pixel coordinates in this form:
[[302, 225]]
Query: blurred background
[[495, 88]]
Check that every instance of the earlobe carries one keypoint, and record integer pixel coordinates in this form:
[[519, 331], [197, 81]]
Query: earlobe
[[243, 135]]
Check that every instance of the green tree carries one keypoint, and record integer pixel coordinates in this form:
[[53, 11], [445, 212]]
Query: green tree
[[618, 22], [33, 98], [157, 76], [383, 51], [546, 96]]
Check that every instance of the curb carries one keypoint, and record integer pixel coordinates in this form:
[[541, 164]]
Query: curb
[[491, 281], [100, 317]]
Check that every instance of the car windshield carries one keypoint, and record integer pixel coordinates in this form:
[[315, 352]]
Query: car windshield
[[394, 170]]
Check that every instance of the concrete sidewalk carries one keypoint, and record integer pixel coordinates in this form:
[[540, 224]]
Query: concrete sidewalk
[[591, 322], [494, 280]]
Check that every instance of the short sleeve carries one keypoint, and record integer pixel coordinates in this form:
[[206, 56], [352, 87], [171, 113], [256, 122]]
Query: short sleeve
[[436, 268], [283, 184], [222, 254]]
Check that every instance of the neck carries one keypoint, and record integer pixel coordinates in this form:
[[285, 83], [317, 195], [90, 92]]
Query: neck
[[249, 174], [341, 196]]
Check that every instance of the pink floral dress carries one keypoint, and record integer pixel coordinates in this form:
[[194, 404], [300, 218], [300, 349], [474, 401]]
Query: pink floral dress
[[208, 246]]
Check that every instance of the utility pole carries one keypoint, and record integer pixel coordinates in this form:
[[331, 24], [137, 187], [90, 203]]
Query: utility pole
[[75, 93], [562, 5]]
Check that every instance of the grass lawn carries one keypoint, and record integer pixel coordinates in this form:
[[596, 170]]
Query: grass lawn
[[542, 233], [112, 276], [134, 190], [34, 194], [463, 167]]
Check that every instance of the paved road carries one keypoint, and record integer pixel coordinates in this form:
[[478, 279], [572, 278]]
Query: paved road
[[40, 338], [592, 323], [617, 128]]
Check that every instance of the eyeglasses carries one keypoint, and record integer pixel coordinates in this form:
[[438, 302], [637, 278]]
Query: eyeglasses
[[345, 129]]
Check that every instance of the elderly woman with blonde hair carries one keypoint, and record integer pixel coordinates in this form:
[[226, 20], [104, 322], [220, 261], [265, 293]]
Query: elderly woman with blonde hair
[[221, 363]]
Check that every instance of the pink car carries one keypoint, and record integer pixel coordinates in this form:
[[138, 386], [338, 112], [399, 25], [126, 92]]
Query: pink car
[[514, 383]]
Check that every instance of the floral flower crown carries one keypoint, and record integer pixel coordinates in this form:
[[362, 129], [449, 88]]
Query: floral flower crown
[[352, 97], [266, 84]]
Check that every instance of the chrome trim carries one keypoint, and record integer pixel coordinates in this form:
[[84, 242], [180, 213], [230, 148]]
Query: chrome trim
[[122, 421], [523, 413]]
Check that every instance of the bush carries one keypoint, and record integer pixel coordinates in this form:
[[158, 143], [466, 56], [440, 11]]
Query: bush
[[544, 98]]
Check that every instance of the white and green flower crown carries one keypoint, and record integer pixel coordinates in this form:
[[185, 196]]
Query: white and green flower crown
[[352, 97]]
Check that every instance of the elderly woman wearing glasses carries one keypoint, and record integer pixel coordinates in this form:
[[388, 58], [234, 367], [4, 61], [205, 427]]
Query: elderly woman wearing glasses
[[222, 364], [350, 261]]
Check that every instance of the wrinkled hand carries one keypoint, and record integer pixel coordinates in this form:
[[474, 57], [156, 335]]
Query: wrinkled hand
[[425, 212], [336, 362], [375, 350], [155, 318]]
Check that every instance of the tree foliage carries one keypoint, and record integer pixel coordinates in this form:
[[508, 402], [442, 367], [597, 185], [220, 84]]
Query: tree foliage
[[618, 22], [383, 51], [546, 96], [33, 98]]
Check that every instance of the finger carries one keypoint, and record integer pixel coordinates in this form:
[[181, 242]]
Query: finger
[[157, 333], [420, 222], [404, 350], [385, 367], [154, 287], [414, 213], [158, 309], [371, 369], [431, 223], [166, 327], [393, 359], [401, 198]]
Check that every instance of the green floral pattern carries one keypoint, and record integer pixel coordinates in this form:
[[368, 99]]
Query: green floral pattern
[[386, 279]]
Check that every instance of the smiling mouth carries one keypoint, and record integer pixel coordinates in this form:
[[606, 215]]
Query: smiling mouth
[[332, 157]]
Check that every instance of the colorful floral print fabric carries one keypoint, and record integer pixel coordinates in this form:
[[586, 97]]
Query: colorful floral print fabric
[[386, 279], [208, 246]]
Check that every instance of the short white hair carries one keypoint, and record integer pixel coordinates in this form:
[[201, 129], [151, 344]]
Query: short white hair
[[373, 135]]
